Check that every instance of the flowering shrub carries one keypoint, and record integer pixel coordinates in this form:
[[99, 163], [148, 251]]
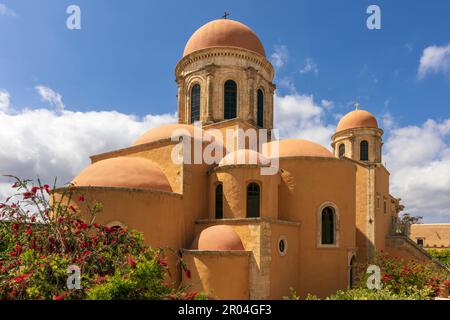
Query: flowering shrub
[[401, 276], [401, 280], [42, 234]]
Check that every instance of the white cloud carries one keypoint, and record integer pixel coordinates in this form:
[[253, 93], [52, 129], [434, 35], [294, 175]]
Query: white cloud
[[52, 97], [5, 11], [418, 158], [48, 143], [299, 116], [388, 121], [434, 59], [280, 56], [310, 66], [287, 83], [327, 104], [4, 101]]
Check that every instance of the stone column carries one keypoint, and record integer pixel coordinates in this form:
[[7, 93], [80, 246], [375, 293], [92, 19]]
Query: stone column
[[181, 103], [250, 114], [209, 93], [269, 122], [209, 98], [352, 148]]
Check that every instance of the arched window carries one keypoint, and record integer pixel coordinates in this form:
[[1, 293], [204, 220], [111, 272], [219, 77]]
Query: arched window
[[260, 111], [364, 150], [195, 103], [230, 100], [352, 273], [253, 196], [328, 223], [219, 201], [341, 150]]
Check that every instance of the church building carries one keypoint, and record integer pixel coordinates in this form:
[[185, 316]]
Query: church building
[[244, 234]]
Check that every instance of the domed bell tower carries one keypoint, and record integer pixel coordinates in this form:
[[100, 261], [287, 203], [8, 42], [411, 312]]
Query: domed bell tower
[[223, 75], [358, 137]]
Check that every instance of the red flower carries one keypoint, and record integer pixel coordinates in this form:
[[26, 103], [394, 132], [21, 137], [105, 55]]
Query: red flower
[[28, 232], [86, 252], [21, 278], [131, 261], [77, 260], [47, 188], [19, 249], [60, 297], [27, 195], [81, 198], [34, 190], [447, 283], [189, 295], [162, 262]]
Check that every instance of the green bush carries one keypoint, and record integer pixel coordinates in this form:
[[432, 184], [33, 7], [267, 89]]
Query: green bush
[[443, 255], [385, 293]]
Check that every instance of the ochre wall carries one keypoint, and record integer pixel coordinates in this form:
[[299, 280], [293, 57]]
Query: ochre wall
[[400, 248], [383, 219], [307, 183], [271, 275], [251, 234], [221, 274], [284, 270], [435, 235], [235, 181], [158, 215], [362, 203]]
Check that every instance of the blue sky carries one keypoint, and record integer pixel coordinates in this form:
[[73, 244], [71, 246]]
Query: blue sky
[[67, 94]]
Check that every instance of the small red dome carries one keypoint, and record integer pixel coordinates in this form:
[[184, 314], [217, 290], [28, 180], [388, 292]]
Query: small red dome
[[124, 172], [218, 238], [244, 157], [224, 33], [297, 148], [357, 119]]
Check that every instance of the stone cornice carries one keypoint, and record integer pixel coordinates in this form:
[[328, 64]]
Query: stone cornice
[[217, 252], [354, 131], [248, 221], [224, 52], [138, 190]]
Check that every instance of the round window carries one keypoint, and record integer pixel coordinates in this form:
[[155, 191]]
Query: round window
[[282, 245]]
